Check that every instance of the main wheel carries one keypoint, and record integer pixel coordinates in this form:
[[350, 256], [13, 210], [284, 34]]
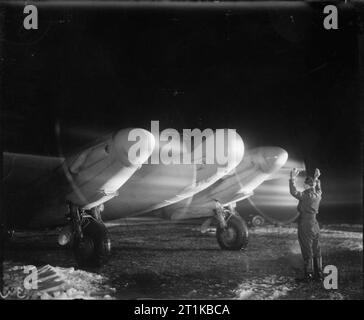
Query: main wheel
[[95, 246], [234, 236]]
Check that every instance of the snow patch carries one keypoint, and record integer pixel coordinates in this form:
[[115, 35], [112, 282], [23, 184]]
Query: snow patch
[[267, 288], [55, 283], [351, 245]]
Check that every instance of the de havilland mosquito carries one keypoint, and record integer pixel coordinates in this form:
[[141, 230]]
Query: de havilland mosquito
[[136, 172]]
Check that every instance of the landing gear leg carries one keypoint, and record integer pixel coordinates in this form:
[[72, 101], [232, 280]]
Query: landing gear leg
[[91, 245], [75, 216], [232, 231], [220, 215]]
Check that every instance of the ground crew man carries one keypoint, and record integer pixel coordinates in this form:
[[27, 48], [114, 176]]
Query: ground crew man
[[308, 227]]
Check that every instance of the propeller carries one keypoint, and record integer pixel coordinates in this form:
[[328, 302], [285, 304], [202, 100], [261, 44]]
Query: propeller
[[280, 177]]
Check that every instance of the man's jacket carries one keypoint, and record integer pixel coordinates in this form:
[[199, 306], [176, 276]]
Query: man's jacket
[[309, 200]]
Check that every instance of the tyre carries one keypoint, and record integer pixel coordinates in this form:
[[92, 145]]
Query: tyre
[[234, 236], [94, 249], [258, 221]]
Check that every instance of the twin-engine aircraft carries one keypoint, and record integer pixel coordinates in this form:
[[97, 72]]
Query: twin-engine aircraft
[[125, 176]]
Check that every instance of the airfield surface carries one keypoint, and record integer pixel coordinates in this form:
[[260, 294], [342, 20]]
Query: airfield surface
[[162, 259]]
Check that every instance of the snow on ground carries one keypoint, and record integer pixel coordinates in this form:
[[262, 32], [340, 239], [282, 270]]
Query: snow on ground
[[325, 231], [177, 261], [351, 245], [54, 283], [266, 288]]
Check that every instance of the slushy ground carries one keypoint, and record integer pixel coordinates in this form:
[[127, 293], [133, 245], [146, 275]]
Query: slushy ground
[[162, 259]]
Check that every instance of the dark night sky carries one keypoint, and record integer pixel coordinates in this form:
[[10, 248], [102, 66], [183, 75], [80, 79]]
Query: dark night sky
[[276, 76]]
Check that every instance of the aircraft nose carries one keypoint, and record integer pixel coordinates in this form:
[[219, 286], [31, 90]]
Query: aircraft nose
[[273, 158]]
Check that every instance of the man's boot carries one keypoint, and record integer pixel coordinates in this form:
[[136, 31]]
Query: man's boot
[[308, 271], [318, 269]]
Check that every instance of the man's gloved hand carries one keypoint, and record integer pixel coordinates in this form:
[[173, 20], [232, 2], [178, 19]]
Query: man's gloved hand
[[294, 173], [317, 174]]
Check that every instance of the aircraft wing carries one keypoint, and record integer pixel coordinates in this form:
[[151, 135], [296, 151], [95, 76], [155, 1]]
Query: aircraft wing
[[37, 189], [257, 167], [159, 185]]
